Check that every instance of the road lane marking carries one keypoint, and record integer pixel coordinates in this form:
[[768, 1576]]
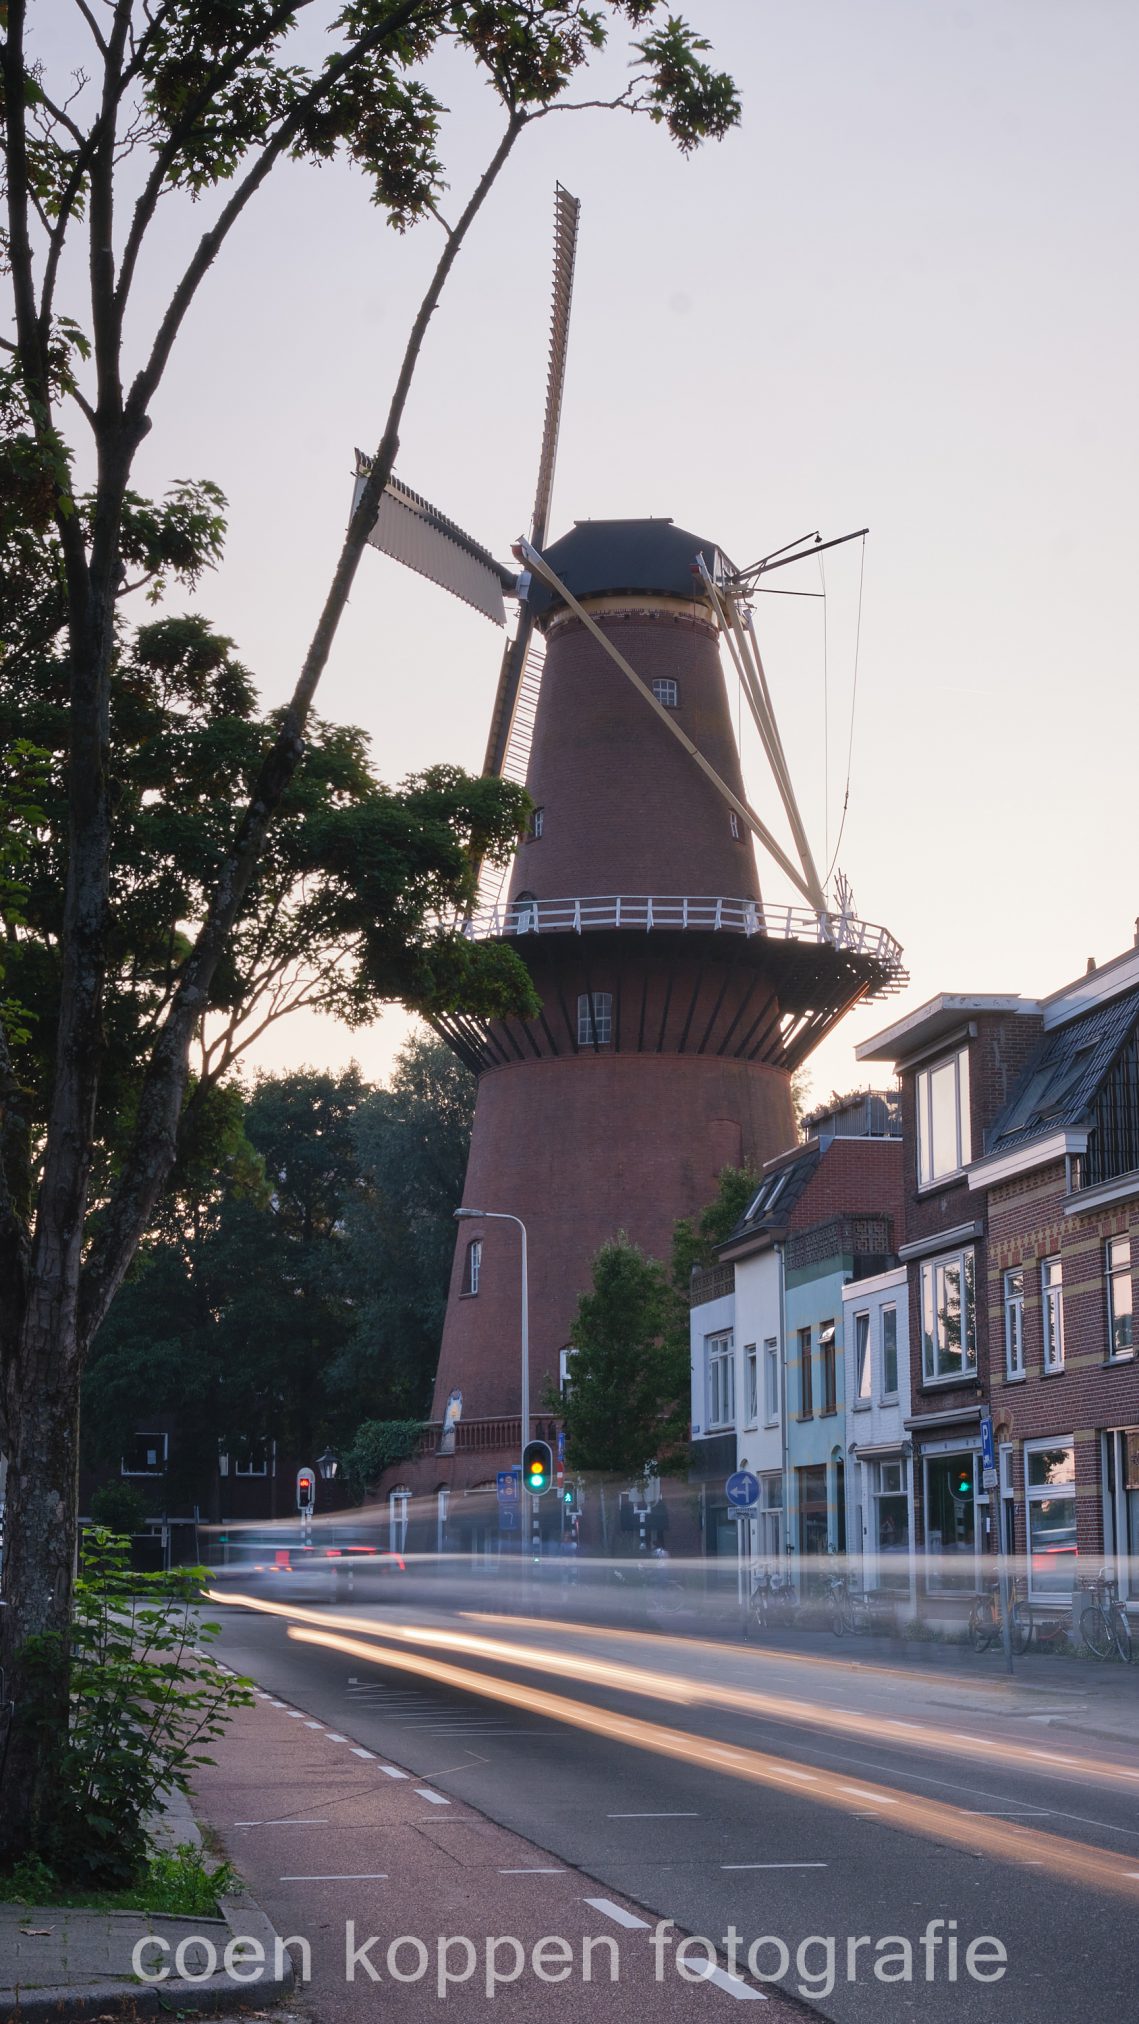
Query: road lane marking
[[774, 1865], [291, 1822], [556, 1869], [391, 1770], [314, 1725], [334, 1736], [296, 1714], [652, 1816], [740, 1990], [860, 1792], [619, 1914], [341, 1876], [436, 1798], [357, 1751]]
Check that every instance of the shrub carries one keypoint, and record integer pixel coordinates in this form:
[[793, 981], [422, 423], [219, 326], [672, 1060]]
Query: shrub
[[147, 1697], [119, 1507]]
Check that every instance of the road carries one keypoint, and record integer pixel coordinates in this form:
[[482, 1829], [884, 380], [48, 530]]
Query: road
[[826, 1806]]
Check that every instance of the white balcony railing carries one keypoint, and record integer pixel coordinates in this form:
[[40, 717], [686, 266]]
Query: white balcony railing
[[646, 912]]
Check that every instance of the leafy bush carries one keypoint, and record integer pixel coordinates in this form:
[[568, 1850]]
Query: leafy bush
[[377, 1445], [147, 1697], [119, 1507], [176, 1883]]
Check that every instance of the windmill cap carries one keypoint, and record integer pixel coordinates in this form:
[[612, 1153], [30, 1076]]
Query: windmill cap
[[602, 557]]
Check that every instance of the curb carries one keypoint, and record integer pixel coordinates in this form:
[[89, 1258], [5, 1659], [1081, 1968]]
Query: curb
[[76, 2005]]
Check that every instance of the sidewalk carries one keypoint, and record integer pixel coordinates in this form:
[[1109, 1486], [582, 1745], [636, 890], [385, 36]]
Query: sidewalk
[[392, 1894]]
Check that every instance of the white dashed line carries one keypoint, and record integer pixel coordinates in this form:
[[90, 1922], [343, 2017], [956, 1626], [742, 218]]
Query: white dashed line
[[773, 1865], [618, 1913], [315, 1725], [392, 1770], [334, 1736], [860, 1792], [276, 1704], [282, 1823], [652, 1816], [358, 1752], [807, 1777], [720, 1976], [554, 1870], [342, 1876], [296, 1714], [436, 1798]]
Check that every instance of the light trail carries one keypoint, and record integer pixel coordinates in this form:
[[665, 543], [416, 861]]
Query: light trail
[[758, 1704], [1069, 1861]]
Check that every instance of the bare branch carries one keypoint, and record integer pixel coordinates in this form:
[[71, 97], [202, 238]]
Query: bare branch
[[93, 25]]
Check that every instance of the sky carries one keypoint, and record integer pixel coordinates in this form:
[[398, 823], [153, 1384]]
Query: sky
[[903, 296]]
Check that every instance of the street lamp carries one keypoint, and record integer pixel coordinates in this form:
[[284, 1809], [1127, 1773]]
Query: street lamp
[[328, 1464], [504, 1216]]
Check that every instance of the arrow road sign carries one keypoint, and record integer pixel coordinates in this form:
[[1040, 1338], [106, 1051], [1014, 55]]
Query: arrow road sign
[[742, 1490]]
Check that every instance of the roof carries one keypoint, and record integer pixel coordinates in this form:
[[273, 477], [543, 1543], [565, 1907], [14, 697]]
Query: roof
[[775, 1197], [932, 1021], [598, 557], [1059, 1087]]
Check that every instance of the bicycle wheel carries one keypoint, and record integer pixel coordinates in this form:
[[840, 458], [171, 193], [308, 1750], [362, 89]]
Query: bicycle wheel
[[838, 1621], [1095, 1629], [1121, 1630], [1020, 1630], [980, 1627]]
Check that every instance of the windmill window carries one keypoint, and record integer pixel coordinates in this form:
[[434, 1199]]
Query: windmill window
[[473, 1269], [595, 1019], [668, 693], [734, 820], [537, 824], [526, 914]]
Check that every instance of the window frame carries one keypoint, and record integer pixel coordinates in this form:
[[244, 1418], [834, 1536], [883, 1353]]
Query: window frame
[[594, 1019], [771, 1381], [966, 1262], [930, 1176], [537, 824], [751, 1384], [1012, 1308], [863, 1362], [1052, 1313], [667, 702], [161, 1441], [472, 1269], [828, 1368], [888, 1392], [805, 1339], [1112, 1274], [1038, 1493], [719, 1376]]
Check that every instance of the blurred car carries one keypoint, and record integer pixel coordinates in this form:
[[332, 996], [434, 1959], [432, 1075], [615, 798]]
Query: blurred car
[[281, 1567]]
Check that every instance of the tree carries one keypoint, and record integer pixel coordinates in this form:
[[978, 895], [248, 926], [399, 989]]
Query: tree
[[187, 100], [411, 1142]]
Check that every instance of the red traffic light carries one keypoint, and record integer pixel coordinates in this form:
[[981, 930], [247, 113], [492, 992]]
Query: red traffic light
[[306, 1489]]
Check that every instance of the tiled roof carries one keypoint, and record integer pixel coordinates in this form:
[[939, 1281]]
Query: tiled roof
[[1060, 1085], [776, 1196]]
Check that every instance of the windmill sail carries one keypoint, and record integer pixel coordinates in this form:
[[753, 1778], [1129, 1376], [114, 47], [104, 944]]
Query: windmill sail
[[567, 210], [409, 528]]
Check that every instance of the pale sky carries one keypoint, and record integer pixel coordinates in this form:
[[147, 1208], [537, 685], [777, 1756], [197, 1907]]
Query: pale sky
[[903, 296]]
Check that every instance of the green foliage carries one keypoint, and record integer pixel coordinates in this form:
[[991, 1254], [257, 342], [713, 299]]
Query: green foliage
[[174, 1883], [147, 1698], [376, 1446], [694, 1243], [23, 773], [627, 1405], [119, 1508]]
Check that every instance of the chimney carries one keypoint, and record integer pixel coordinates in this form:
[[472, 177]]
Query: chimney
[[1091, 965]]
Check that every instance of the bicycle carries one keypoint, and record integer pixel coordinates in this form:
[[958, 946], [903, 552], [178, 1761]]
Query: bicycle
[[986, 1626], [771, 1604], [1103, 1625]]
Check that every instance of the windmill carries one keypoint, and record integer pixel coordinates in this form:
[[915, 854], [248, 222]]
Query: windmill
[[676, 998]]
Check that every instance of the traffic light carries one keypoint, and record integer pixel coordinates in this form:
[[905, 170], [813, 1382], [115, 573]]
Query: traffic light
[[306, 1490], [963, 1482], [537, 1467]]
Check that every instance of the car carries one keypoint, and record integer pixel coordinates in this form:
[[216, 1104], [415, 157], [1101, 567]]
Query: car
[[332, 1566]]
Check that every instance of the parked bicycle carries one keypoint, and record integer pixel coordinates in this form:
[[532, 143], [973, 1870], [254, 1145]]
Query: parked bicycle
[[772, 1604], [985, 1624], [1103, 1625], [848, 1610]]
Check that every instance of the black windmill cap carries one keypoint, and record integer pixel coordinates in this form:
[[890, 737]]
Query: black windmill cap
[[599, 557]]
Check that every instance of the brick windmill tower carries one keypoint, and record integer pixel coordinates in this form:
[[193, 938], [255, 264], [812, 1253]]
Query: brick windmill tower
[[677, 998]]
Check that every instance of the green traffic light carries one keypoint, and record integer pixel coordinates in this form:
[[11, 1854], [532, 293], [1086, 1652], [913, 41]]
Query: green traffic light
[[537, 1467]]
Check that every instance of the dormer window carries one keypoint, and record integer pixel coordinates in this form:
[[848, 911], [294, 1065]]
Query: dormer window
[[944, 1137], [667, 692]]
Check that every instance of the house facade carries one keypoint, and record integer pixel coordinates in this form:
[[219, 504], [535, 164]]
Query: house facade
[[877, 1379]]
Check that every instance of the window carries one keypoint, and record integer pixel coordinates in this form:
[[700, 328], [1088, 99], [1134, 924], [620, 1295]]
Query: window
[[537, 824], [666, 692], [826, 1359], [255, 1460], [770, 1516], [526, 914], [1050, 1488], [146, 1456], [891, 1523], [751, 1383], [771, 1382], [1052, 1305], [473, 1271], [944, 1141], [1013, 1284], [734, 820], [721, 1366], [889, 1352], [1117, 1273], [806, 1389], [595, 1019], [862, 1374], [948, 1318], [951, 1520], [565, 1381]]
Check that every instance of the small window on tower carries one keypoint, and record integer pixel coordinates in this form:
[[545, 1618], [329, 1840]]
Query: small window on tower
[[733, 818], [473, 1271], [595, 1019], [668, 693], [537, 821]]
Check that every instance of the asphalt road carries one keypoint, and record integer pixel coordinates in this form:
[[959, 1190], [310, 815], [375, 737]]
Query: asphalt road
[[796, 1796]]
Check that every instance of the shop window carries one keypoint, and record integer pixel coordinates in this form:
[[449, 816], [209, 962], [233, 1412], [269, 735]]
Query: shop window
[[1050, 1491], [951, 1520]]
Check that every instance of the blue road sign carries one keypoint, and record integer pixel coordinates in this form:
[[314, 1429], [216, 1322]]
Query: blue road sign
[[988, 1458], [742, 1490]]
